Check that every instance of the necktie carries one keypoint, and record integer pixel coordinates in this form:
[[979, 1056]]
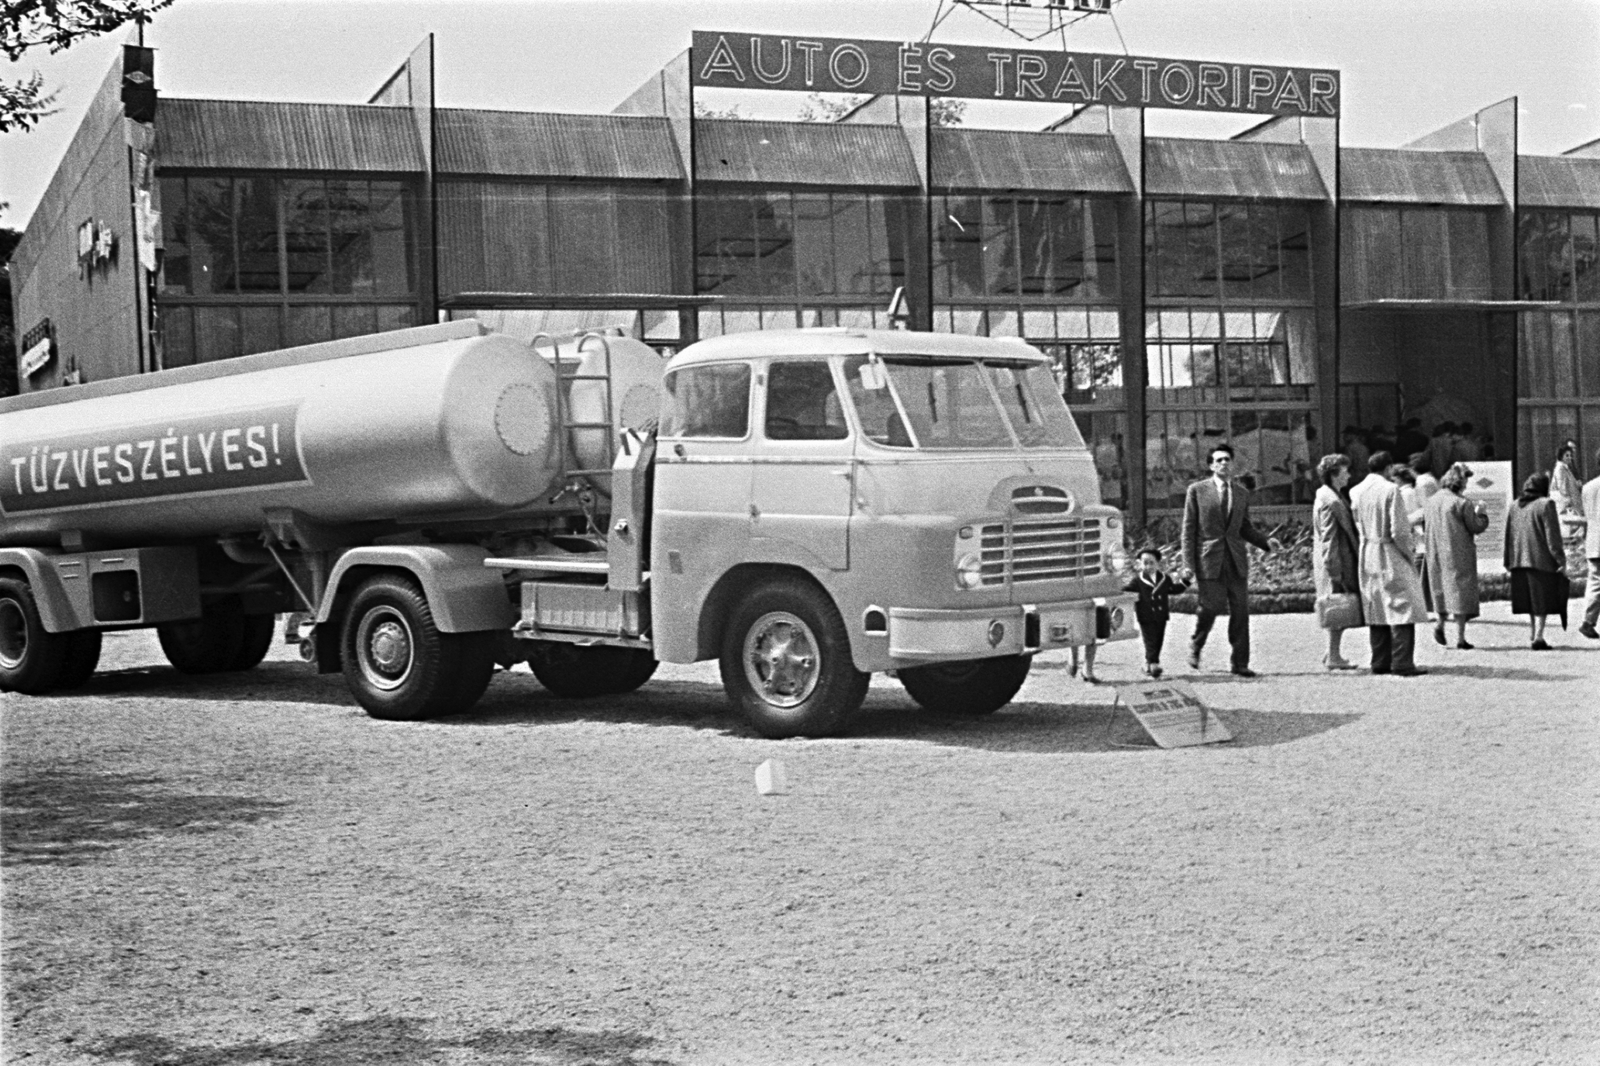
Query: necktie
[[1227, 499]]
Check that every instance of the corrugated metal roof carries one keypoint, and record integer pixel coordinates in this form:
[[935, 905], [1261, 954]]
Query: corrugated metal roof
[[545, 145], [1558, 181], [803, 153], [1018, 159], [1177, 166], [257, 135], [1410, 176]]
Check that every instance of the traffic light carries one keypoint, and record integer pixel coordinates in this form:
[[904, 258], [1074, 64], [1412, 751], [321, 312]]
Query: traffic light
[[139, 83]]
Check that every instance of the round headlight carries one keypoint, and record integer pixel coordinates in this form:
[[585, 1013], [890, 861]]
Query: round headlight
[[1116, 559], [969, 571]]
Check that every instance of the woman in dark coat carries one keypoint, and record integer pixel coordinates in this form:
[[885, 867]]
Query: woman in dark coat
[[1452, 556], [1334, 546], [1535, 558]]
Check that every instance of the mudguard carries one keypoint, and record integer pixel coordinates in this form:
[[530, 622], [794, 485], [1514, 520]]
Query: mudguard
[[464, 595]]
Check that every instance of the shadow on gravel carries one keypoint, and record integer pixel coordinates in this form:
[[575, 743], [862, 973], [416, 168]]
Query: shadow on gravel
[[1051, 729], [68, 817], [1500, 673], [275, 682], [401, 1041]]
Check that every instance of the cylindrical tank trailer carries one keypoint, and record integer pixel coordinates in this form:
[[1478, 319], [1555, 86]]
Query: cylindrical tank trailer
[[463, 424]]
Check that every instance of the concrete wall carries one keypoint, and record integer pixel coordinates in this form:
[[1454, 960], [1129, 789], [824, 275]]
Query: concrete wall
[[93, 310]]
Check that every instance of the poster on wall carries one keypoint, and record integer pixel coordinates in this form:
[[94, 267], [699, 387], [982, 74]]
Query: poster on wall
[[1492, 488]]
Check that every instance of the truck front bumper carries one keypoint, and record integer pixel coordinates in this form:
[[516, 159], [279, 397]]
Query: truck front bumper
[[938, 635]]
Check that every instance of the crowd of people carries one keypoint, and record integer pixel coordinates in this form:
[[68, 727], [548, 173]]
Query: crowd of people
[[1401, 548], [1391, 551]]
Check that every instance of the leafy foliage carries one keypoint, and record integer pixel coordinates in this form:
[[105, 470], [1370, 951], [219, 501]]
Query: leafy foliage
[[53, 24]]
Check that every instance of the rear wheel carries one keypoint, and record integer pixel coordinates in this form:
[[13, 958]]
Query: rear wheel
[[786, 662], [579, 672], [83, 655], [397, 662], [255, 641], [210, 644], [971, 688], [31, 659]]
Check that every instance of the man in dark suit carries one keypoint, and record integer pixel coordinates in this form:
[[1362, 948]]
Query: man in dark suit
[[1216, 528]]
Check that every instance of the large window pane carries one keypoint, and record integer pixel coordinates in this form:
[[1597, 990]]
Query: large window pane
[[256, 208], [350, 235], [307, 324], [305, 236], [391, 255], [1000, 247], [1588, 354], [853, 243], [174, 237], [958, 248], [813, 245], [1586, 257], [210, 229]]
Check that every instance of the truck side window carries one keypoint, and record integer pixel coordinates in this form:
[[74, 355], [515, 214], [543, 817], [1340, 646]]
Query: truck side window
[[802, 403], [707, 401]]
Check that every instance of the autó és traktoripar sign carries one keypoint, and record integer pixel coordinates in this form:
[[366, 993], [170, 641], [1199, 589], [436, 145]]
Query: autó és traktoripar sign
[[920, 68]]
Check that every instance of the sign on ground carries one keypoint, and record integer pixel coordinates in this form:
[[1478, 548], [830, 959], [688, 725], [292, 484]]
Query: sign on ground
[[1172, 714]]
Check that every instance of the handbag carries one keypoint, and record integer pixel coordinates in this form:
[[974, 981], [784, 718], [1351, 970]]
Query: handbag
[[1339, 610]]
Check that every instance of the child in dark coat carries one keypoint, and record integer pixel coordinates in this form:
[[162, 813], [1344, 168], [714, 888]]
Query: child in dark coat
[[1155, 587]]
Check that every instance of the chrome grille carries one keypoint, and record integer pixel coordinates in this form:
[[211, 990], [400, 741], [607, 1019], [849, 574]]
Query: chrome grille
[[1040, 550]]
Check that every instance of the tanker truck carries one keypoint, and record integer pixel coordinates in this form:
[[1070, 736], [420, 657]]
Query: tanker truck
[[807, 507]]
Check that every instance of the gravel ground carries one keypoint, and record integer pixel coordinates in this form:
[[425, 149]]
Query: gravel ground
[[249, 871]]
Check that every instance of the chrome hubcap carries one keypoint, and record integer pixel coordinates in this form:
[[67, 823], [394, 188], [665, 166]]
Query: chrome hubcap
[[384, 648], [781, 660]]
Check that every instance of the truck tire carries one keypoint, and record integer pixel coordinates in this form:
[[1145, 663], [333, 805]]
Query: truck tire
[[972, 688], [255, 640], [83, 655], [786, 662], [210, 644], [578, 672], [30, 658], [398, 664]]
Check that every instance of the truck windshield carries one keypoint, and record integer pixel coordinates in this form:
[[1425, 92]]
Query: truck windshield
[[948, 404]]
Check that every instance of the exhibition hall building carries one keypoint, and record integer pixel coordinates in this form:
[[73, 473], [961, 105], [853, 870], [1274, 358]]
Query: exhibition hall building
[[1278, 290]]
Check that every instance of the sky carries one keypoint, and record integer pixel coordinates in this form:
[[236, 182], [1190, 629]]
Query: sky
[[1408, 66]]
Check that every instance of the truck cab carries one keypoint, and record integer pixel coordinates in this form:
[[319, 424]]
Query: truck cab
[[830, 503]]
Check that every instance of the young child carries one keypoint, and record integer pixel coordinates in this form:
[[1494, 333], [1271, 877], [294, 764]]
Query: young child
[[1155, 587]]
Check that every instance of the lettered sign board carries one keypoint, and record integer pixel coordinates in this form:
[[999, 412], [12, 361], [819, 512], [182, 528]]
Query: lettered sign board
[[1492, 487], [920, 68], [1172, 714]]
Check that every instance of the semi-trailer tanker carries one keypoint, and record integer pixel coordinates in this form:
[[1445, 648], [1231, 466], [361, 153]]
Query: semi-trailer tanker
[[806, 506]]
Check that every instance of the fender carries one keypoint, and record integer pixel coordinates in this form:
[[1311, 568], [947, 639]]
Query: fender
[[55, 608], [464, 595]]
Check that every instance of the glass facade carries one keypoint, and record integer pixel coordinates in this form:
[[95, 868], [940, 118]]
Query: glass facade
[[557, 239], [1558, 348], [786, 258], [1230, 347], [255, 260], [1043, 268], [252, 263]]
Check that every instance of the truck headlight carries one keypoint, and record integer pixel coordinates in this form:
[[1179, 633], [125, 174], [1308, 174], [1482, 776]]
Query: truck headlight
[[969, 571], [1116, 559]]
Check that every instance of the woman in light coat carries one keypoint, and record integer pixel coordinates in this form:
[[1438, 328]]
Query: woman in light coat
[[1334, 547], [1452, 555], [1536, 558], [1565, 488]]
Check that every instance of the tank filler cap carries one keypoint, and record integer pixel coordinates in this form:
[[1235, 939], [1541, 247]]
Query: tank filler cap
[[521, 420]]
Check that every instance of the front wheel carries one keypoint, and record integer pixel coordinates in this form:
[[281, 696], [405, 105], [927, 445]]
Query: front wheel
[[399, 665], [971, 688], [31, 659], [786, 662]]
